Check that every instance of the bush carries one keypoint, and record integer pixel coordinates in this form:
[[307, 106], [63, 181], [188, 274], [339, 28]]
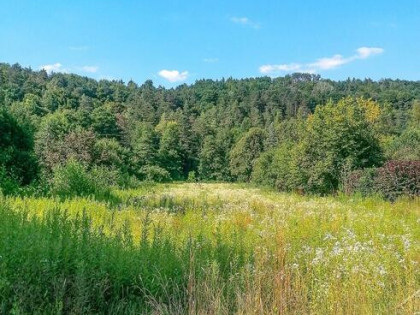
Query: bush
[[16, 154], [191, 177], [277, 168], [394, 179], [245, 153], [155, 173], [8, 184], [406, 147], [74, 179], [398, 178], [360, 181]]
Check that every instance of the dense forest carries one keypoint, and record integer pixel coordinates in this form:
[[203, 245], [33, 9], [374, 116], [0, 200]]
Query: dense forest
[[66, 133]]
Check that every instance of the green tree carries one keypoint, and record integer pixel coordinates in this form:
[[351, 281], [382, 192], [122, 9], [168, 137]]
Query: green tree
[[104, 121], [16, 150], [145, 144], [337, 137], [49, 140], [276, 168], [245, 152], [109, 153], [214, 157], [169, 153]]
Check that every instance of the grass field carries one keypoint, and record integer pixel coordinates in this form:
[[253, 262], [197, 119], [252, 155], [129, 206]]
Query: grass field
[[209, 249]]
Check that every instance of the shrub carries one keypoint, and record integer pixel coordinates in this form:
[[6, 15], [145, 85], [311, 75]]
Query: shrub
[[277, 168], [16, 154], [394, 179], [155, 173], [191, 177], [398, 178], [406, 147], [74, 179], [360, 181], [8, 184]]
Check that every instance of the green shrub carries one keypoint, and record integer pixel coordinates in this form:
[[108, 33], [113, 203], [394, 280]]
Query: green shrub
[[155, 173], [16, 151], [74, 179], [277, 168], [191, 177], [245, 153], [263, 172], [8, 184], [360, 181], [406, 146]]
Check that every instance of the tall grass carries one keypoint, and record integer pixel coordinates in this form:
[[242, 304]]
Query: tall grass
[[209, 249]]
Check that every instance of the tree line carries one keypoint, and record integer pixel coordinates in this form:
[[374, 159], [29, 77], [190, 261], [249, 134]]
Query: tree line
[[298, 132]]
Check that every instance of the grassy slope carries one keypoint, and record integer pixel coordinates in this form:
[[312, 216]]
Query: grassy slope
[[209, 248]]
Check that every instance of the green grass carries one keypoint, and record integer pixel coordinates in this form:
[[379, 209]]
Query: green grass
[[209, 248]]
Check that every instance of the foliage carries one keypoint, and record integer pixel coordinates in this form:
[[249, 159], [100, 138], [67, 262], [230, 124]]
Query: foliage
[[16, 157], [245, 152], [276, 168], [155, 173], [214, 157], [394, 179], [397, 178], [75, 179], [169, 153], [8, 184], [360, 181], [217, 129], [406, 146], [337, 137]]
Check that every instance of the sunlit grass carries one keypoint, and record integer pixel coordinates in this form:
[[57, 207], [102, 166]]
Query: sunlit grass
[[245, 250]]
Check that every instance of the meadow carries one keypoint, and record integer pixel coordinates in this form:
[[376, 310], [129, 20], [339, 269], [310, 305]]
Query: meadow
[[195, 248]]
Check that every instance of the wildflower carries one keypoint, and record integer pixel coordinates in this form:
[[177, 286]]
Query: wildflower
[[381, 270]]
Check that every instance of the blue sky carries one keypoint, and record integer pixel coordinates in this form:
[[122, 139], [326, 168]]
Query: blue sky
[[175, 42]]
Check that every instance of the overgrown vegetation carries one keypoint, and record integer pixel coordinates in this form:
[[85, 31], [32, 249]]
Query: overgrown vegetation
[[209, 248], [296, 133], [72, 242]]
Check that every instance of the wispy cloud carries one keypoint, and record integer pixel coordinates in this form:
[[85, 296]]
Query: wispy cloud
[[90, 69], [58, 67], [211, 60], [79, 48], [55, 67], [326, 63], [245, 21], [173, 75], [365, 52]]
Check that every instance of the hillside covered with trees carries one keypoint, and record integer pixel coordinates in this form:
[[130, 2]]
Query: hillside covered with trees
[[65, 133]]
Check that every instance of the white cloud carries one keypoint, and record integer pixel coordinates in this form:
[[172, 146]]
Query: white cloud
[[56, 67], [329, 63], [284, 67], [211, 60], [365, 52], [326, 63], [245, 21], [79, 48], [173, 75], [90, 69]]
